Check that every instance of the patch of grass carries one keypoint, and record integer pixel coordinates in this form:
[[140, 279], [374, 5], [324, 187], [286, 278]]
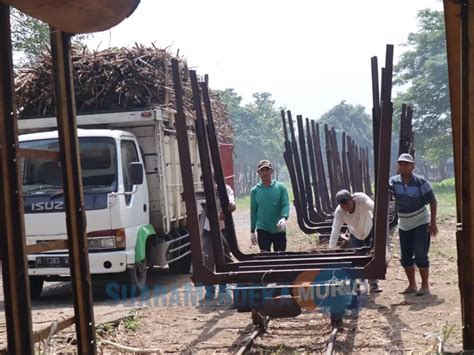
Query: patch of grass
[[446, 196], [243, 203], [109, 326], [131, 323]]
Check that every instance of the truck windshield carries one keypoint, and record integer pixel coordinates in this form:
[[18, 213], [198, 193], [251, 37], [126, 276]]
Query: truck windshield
[[98, 163]]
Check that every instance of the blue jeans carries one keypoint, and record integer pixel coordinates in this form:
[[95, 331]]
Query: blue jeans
[[357, 243], [211, 290], [367, 242], [414, 246]]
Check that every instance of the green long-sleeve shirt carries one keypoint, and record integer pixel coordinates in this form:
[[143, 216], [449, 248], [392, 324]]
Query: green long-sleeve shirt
[[268, 204]]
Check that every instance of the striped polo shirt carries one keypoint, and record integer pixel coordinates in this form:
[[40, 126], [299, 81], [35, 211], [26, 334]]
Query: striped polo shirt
[[411, 199]]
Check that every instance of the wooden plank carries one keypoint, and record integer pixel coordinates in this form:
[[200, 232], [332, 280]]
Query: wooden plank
[[47, 246], [38, 154]]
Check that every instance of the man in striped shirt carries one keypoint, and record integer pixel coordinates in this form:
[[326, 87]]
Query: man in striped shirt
[[416, 224]]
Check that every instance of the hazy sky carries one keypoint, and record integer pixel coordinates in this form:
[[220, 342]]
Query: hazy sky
[[309, 54]]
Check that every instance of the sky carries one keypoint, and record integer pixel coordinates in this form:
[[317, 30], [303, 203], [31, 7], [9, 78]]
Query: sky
[[309, 54]]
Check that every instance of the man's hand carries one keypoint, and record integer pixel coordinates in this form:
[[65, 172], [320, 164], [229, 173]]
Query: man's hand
[[281, 225], [433, 229], [231, 207], [253, 238]]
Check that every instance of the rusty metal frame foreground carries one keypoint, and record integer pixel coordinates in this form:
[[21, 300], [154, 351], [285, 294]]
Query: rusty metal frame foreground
[[211, 268], [459, 22], [12, 233]]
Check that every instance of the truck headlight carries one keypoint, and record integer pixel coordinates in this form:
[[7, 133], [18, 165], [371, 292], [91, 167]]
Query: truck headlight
[[106, 239], [93, 243], [107, 242]]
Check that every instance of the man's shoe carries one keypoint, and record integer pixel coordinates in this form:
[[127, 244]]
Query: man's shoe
[[423, 291], [408, 291], [374, 288]]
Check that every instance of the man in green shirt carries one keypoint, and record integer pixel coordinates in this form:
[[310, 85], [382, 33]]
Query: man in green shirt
[[269, 210]]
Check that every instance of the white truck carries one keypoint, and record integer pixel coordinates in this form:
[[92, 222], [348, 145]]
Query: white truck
[[132, 223]]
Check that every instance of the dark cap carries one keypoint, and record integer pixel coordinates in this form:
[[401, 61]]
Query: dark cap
[[264, 164], [343, 196], [406, 158]]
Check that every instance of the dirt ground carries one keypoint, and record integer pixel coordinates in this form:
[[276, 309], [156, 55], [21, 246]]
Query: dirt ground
[[171, 319]]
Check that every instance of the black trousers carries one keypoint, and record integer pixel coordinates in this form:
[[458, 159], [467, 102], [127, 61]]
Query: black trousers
[[265, 241]]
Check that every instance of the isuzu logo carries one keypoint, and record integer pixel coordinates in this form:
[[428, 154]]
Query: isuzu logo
[[47, 206]]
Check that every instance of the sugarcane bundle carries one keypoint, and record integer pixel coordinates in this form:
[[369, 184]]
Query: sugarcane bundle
[[115, 79]]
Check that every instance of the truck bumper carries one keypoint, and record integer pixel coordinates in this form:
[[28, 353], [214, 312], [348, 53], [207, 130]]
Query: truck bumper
[[99, 263]]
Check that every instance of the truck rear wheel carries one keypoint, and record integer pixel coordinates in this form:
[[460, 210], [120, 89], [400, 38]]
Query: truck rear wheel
[[181, 266], [36, 287]]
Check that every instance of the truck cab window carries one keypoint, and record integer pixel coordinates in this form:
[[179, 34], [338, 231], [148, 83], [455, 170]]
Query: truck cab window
[[129, 155], [98, 167]]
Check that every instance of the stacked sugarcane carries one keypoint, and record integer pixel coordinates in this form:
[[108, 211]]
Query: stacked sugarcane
[[115, 79]]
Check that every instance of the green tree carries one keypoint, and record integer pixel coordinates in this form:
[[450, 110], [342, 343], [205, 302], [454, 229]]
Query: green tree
[[422, 74], [30, 36], [257, 127], [351, 119]]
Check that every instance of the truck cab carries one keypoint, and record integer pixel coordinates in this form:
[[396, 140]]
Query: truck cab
[[133, 222]]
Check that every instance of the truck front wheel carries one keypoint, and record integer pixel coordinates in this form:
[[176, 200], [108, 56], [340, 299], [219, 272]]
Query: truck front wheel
[[136, 278], [36, 286]]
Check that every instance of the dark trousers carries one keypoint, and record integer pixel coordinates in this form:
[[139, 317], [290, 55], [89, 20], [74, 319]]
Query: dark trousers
[[265, 241], [414, 246]]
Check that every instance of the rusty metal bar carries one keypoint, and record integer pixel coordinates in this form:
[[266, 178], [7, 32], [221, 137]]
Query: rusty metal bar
[[329, 162], [187, 173], [219, 176], [314, 175], [351, 161], [312, 214], [377, 267], [290, 163], [361, 168], [375, 113], [368, 186], [345, 167], [467, 152], [411, 147], [403, 141], [208, 181], [12, 231], [73, 197], [452, 15], [323, 188], [336, 160], [297, 163], [294, 163]]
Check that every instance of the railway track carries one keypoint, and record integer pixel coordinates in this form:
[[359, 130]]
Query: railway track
[[259, 328]]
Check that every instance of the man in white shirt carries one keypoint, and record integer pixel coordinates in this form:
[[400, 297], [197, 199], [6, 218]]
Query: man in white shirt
[[356, 211], [211, 289]]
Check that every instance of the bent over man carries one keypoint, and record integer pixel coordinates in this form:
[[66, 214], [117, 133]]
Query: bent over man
[[356, 211]]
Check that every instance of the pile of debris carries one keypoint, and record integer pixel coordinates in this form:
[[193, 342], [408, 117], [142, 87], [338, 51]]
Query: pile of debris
[[115, 79]]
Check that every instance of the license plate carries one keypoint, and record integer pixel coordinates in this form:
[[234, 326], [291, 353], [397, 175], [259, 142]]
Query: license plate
[[52, 261]]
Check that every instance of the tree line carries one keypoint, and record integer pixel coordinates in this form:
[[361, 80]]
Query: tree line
[[420, 78]]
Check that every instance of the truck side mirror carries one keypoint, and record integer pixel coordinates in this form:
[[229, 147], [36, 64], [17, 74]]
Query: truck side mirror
[[136, 173]]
